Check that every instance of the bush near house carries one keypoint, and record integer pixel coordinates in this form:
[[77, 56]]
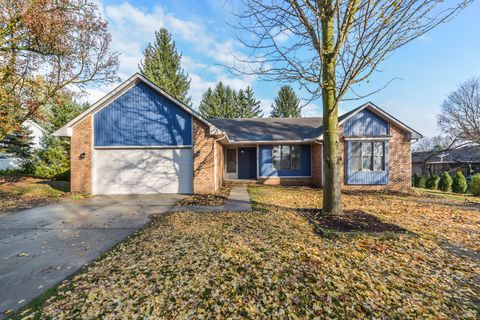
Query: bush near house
[[475, 185], [445, 183], [432, 182], [421, 182], [459, 184]]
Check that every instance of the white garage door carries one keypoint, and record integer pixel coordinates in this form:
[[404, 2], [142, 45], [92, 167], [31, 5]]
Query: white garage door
[[143, 171]]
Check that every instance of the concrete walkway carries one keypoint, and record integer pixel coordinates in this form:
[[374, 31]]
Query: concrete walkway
[[40, 247], [239, 199]]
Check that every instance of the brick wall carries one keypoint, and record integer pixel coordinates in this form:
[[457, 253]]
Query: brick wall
[[220, 165], [203, 159], [81, 167], [286, 181], [400, 160]]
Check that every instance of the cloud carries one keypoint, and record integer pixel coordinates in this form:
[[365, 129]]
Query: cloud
[[312, 110], [133, 27]]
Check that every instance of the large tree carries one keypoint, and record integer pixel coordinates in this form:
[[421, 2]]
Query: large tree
[[287, 104], [225, 102], [162, 66], [247, 105], [460, 114], [47, 46], [328, 46]]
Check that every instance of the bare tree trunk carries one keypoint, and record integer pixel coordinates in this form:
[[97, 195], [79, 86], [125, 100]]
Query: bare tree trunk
[[332, 203]]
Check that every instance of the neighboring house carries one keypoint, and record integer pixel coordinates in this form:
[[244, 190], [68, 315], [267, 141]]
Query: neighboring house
[[138, 140], [10, 162], [466, 159]]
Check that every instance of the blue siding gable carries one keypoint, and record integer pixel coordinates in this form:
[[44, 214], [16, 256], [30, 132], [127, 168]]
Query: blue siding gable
[[142, 117], [365, 124], [265, 168]]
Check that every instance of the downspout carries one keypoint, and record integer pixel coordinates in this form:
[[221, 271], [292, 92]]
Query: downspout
[[215, 160]]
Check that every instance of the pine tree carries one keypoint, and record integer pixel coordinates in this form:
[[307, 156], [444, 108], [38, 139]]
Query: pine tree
[[220, 102], [248, 106], [287, 104], [18, 143], [162, 66], [225, 102]]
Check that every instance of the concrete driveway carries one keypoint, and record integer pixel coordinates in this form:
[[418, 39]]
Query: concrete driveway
[[40, 247]]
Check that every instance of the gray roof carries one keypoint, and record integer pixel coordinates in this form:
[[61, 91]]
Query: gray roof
[[270, 129], [464, 154]]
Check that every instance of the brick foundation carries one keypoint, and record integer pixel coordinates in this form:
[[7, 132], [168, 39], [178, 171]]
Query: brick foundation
[[81, 157], [286, 181]]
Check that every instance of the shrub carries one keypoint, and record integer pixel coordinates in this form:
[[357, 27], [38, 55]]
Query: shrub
[[52, 160], [459, 184], [445, 183], [475, 185], [415, 179], [421, 182], [432, 182]]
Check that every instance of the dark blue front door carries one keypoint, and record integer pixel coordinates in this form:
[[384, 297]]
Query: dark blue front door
[[247, 163]]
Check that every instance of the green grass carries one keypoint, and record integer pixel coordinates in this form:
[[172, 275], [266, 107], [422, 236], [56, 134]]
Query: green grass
[[449, 195]]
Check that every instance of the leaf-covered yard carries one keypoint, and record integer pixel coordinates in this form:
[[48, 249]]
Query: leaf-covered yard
[[19, 192], [272, 264]]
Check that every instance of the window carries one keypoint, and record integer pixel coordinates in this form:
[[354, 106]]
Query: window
[[231, 160], [367, 156], [286, 157]]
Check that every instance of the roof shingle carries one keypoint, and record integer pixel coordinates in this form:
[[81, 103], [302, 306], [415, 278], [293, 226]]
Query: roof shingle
[[270, 129]]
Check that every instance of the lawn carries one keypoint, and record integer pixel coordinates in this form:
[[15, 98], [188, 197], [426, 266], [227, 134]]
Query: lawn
[[19, 192], [274, 263]]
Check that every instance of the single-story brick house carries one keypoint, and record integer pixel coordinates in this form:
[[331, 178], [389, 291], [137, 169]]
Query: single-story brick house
[[139, 140], [466, 159]]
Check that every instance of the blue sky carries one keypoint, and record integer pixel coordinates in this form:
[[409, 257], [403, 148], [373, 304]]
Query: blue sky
[[428, 68]]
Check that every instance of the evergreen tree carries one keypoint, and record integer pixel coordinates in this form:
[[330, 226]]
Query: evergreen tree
[[287, 104], [63, 112], [18, 143], [162, 66], [445, 183], [221, 102], [459, 183], [248, 106]]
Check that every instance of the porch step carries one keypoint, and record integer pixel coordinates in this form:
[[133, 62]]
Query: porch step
[[241, 181]]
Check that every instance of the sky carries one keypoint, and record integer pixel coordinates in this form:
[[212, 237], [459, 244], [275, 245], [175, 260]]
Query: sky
[[425, 70]]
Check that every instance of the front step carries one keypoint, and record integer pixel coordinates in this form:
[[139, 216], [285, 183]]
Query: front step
[[240, 181]]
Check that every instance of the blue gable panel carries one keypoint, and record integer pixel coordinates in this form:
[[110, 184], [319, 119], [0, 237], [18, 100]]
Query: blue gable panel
[[366, 177], [364, 124], [265, 168], [142, 117]]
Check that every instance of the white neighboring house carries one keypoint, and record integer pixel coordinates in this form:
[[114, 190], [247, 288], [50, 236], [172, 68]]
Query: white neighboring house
[[9, 162]]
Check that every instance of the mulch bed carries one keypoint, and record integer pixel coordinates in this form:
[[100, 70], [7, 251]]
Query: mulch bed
[[219, 199], [353, 221]]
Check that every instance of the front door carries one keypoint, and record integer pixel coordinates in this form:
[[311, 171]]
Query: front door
[[247, 163]]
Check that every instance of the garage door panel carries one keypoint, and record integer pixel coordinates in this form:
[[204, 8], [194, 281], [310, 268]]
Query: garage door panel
[[143, 171]]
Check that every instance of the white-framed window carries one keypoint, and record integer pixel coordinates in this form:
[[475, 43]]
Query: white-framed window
[[367, 156], [286, 157]]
